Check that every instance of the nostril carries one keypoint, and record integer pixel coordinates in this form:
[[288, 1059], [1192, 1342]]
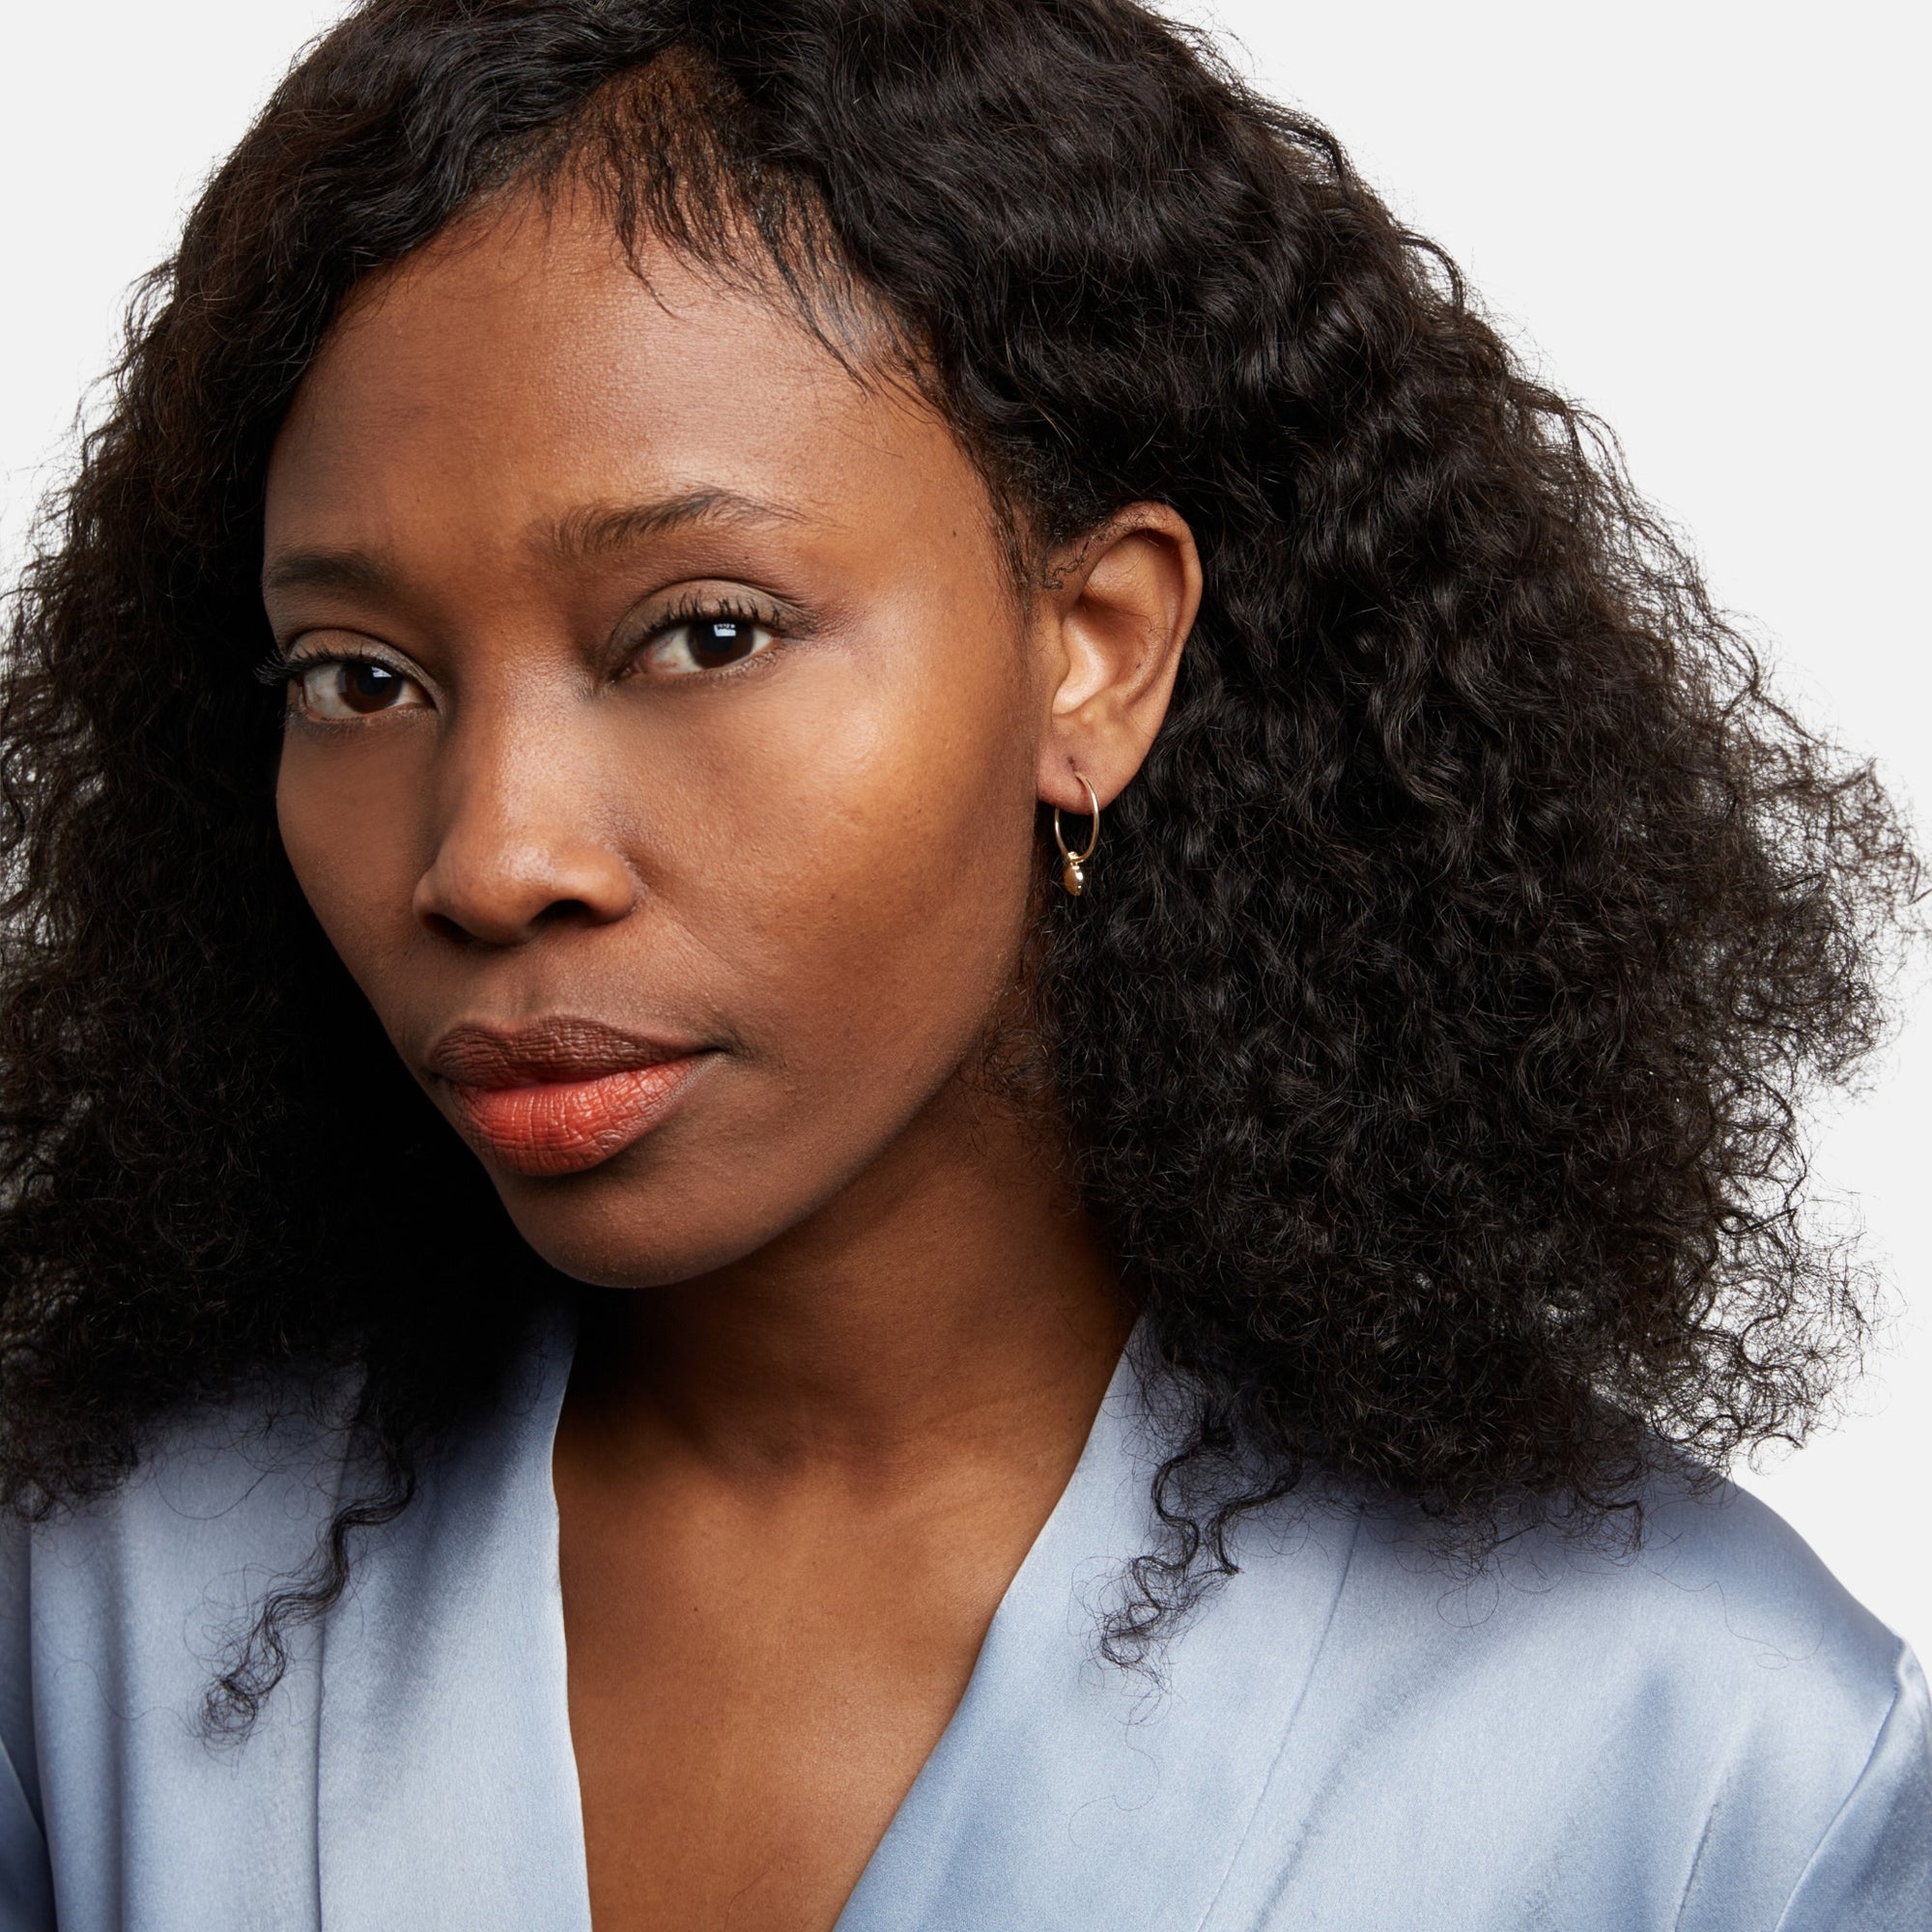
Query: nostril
[[441, 927], [567, 912], [505, 926]]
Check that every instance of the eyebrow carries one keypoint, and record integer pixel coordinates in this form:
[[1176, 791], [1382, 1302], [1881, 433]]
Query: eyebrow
[[595, 530], [325, 570], [592, 530]]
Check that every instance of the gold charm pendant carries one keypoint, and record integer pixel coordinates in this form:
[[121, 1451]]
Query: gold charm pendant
[[1072, 876]]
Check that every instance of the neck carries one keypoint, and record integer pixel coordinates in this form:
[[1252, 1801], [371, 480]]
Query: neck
[[954, 1300]]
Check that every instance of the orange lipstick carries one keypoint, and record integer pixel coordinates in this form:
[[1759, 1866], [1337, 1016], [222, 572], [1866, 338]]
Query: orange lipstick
[[559, 1095]]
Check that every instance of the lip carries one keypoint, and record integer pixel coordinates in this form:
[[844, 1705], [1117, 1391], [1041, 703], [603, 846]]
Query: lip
[[561, 1095]]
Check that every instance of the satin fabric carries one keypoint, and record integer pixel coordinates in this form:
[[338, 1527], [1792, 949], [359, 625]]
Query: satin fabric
[[1348, 1734]]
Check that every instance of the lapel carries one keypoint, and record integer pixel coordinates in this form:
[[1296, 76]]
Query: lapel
[[446, 1782], [1067, 1792]]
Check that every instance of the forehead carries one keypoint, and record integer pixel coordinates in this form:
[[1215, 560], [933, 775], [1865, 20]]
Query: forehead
[[522, 365]]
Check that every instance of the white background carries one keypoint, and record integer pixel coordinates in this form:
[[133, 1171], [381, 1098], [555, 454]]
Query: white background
[[1703, 218]]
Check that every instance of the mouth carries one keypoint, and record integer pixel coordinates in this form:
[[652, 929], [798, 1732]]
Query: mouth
[[561, 1095]]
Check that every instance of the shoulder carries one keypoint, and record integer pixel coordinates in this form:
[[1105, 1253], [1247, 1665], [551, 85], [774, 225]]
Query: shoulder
[[1672, 1731], [1716, 1587], [115, 1614], [131, 1596], [247, 1481], [231, 1500], [1718, 1601], [1721, 1639]]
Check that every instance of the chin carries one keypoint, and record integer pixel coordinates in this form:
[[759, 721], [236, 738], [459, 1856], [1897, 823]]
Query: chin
[[638, 1237]]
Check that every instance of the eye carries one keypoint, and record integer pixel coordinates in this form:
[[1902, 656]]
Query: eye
[[345, 688], [706, 643]]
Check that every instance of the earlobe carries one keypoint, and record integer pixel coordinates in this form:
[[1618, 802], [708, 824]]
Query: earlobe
[[1122, 602]]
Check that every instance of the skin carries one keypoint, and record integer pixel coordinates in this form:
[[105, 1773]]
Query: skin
[[848, 1326]]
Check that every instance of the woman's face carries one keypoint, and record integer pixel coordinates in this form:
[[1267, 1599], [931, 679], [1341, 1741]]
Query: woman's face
[[666, 734]]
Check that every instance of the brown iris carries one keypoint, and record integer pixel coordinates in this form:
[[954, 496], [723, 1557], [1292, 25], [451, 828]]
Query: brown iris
[[719, 640]]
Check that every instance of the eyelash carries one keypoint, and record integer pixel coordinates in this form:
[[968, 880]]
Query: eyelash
[[695, 607], [283, 665]]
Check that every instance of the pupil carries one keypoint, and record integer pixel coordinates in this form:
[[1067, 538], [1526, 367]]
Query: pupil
[[369, 687], [717, 640]]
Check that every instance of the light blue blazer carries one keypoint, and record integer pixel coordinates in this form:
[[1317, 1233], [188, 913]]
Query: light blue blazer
[[1711, 1737]]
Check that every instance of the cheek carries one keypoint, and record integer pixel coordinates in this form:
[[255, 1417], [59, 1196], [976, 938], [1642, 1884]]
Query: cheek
[[345, 827], [888, 919], [881, 879]]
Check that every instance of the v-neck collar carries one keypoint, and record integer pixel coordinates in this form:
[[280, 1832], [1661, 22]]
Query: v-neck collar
[[447, 1778], [1070, 1792]]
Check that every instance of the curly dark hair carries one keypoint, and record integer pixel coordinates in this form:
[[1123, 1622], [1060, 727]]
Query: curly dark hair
[[1430, 1050]]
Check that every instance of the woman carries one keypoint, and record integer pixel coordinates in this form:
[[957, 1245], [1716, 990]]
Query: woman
[[1119, 963]]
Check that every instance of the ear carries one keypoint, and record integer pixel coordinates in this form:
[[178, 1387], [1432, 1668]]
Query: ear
[[1116, 610]]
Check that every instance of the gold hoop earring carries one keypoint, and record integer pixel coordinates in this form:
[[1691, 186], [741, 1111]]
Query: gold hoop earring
[[1070, 874]]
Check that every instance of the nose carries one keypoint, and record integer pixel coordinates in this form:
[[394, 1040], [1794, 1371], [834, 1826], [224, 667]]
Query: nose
[[522, 843]]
